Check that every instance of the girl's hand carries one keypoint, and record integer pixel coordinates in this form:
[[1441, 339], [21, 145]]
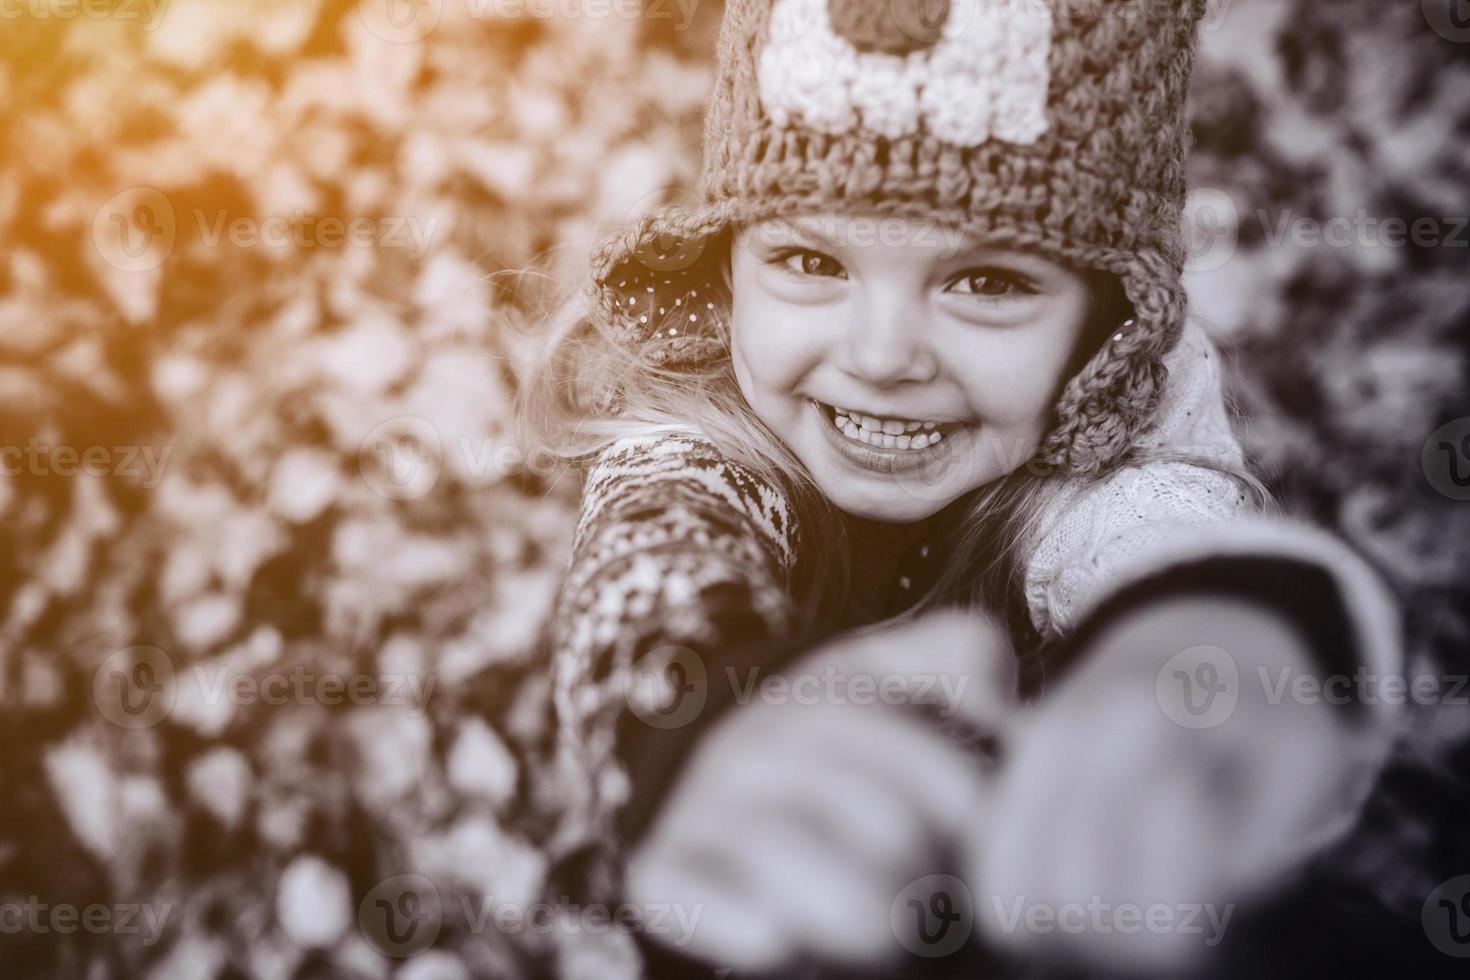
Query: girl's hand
[[1117, 803], [797, 823]]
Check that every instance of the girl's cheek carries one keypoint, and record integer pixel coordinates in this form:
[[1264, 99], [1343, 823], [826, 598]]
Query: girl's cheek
[[1013, 385], [777, 348], [1018, 369]]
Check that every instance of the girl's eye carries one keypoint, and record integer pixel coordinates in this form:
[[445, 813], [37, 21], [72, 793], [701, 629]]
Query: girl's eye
[[805, 262], [991, 283]]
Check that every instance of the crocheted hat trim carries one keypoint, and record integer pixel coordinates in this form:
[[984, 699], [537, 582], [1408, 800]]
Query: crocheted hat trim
[[1104, 206]]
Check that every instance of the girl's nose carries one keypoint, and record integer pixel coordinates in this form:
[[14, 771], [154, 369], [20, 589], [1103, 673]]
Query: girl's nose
[[887, 343]]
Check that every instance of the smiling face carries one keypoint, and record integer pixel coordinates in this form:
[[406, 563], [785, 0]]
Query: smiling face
[[904, 365]]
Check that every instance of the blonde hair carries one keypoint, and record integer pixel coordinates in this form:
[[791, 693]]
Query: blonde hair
[[588, 388]]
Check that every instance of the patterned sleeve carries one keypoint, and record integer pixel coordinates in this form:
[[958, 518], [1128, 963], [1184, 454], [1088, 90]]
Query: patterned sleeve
[[677, 549]]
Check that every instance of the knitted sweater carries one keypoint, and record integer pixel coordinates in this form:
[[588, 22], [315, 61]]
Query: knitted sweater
[[681, 550]]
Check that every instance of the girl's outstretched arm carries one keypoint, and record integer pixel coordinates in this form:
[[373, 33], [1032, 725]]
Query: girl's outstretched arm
[[1185, 505], [1209, 721], [787, 827], [681, 559]]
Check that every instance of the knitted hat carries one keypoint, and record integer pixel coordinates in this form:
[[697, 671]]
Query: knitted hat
[[1056, 126]]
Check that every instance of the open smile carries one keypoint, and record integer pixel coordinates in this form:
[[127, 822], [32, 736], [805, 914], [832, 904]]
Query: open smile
[[886, 445]]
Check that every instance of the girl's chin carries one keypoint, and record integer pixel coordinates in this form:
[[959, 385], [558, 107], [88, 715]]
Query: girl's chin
[[886, 511], [891, 498]]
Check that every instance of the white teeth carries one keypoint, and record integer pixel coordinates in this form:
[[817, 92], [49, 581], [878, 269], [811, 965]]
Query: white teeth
[[886, 433]]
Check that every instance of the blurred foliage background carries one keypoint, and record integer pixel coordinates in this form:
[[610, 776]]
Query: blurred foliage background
[[176, 300]]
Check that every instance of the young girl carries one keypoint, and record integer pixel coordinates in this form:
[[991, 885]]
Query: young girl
[[923, 346]]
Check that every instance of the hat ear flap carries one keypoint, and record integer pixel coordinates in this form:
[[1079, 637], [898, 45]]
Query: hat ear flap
[[659, 289], [1106, 404]]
